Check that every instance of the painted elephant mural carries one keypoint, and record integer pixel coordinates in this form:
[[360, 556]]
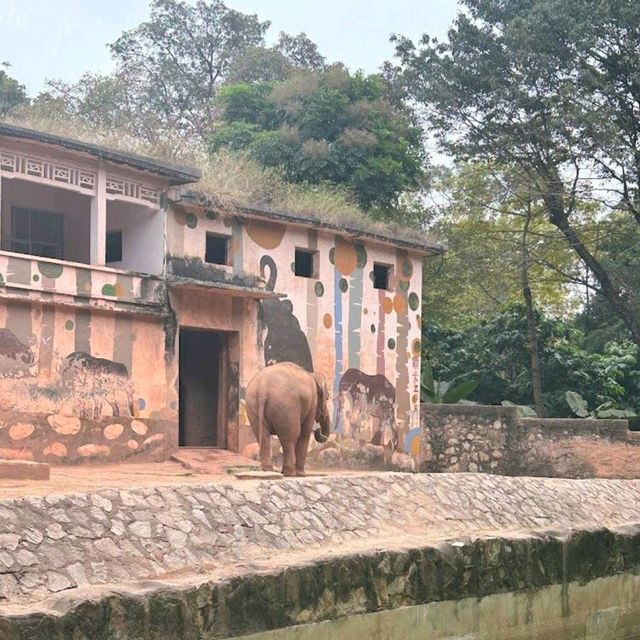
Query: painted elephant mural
[[285, 341], [366, 409], [92, 384], [16, 358]]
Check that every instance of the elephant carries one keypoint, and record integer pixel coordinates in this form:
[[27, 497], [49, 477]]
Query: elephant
[[285, 400]]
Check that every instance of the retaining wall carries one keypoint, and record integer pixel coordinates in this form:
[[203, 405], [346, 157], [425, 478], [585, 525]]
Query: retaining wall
[[494, 439]]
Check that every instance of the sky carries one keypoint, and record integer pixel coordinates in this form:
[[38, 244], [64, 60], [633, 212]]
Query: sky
[[44, 40]]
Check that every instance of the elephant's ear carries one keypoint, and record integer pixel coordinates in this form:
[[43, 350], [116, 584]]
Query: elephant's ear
[[321, 388]]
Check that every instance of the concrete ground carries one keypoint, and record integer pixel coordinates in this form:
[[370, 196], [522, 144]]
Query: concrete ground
[[195, 466]]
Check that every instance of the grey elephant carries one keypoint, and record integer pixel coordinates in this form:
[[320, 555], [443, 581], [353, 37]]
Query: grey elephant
[[285, 400]]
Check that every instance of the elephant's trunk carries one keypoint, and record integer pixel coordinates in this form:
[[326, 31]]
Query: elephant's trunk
[[322, 434]]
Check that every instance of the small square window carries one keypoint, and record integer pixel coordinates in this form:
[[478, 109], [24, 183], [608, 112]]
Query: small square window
[[217, 249], [381, 276], [114, 247], [305, 264]]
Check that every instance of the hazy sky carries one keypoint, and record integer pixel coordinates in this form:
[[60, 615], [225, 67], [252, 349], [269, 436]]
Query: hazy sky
[[45, 39]]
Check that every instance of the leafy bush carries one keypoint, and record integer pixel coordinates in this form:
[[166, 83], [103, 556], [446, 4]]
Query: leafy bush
[[494, 352]]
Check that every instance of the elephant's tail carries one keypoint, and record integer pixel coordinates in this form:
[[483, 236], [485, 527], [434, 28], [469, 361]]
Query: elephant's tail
[[263, 435]]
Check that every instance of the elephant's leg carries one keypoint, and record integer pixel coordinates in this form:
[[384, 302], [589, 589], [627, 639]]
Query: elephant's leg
[[265, 448], [288, 458], [302, 446]]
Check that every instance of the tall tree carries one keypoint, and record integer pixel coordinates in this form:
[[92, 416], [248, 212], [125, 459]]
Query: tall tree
[[327, 126], [170, 68], [549, 86], [479, 213], [175, 62], [12, 93]]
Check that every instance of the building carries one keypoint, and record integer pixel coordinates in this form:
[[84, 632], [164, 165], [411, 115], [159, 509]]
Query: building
[[133, 313]]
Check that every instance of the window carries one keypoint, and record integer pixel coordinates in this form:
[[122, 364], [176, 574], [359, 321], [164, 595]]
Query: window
[[381, 276], [217, 249], [114, 246], [38, 233], [305, 263]]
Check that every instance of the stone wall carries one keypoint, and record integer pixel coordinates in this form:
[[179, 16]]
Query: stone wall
[[494, 439], [55, 545], [582, 582]]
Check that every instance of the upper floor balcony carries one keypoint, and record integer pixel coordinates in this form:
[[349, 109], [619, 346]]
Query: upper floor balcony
[[68, 202]]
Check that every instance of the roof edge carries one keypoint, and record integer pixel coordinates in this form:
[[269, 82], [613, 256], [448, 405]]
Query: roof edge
[[177, 174], [426, 246]]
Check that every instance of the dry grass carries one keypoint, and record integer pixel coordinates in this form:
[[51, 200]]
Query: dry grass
[[229, 179]]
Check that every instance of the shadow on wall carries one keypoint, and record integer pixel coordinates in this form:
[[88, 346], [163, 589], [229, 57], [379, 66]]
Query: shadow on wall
[[285, 341]]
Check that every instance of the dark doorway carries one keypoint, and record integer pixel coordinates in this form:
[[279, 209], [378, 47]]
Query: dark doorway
[[202, 405]]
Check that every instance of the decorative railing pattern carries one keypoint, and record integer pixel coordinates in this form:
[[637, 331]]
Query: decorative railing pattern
[[99, 285], [130, 190], [48, 171], [37, 169]]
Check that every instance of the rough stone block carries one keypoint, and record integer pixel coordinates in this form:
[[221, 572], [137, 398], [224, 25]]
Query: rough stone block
[[24, 470]]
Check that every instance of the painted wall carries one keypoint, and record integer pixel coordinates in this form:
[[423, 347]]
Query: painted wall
[[102, 345], [364, 340], [79, 379], [142, 236]]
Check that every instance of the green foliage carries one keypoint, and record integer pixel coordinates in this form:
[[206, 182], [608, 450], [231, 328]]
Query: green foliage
[[550, 87], [494, 352], [169, 69], [524, 410], [12, 93], [478, 211], [580, 407], [327, 126], [441, 392]]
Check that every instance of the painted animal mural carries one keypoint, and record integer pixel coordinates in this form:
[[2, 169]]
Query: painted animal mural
[[285, 341], [366, 409], [90, 383], [286, 400], [16, 358]]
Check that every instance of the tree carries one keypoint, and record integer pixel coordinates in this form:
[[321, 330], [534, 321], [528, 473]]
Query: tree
[[326, 126], [170, 68], [495, 353], [12, 93], [549, 86], [479, 211]]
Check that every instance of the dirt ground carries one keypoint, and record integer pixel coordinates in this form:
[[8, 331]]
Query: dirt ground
[[610, 459], [195, 467]]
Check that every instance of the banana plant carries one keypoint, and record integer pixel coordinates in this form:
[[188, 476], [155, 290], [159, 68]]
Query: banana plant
[[524, 410], [442, 392], [580, 407]]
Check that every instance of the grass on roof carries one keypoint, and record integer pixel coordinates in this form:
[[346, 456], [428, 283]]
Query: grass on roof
[[229, 179]]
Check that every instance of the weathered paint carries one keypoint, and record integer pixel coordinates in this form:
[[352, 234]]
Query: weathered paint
[[92, 342]]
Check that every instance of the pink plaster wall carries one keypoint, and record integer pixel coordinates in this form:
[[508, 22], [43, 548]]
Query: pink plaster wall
[[346, 324]]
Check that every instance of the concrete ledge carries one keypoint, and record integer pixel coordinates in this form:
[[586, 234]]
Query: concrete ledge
[[333, 588], [24, 470]]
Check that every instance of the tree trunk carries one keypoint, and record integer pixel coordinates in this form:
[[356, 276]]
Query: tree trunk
[[532, 336], [554, 201]]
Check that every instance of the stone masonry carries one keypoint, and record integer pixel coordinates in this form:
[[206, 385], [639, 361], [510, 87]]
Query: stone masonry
[[493, 439], [58, 543]]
